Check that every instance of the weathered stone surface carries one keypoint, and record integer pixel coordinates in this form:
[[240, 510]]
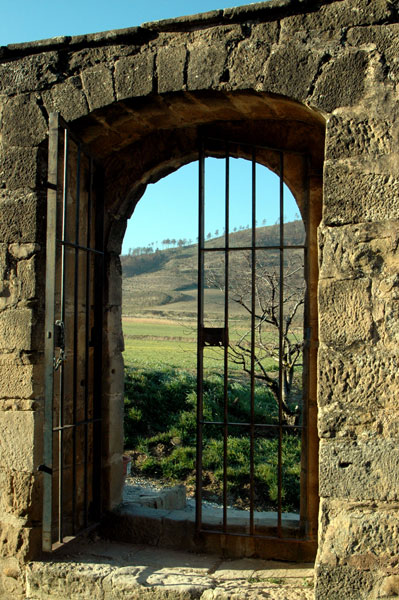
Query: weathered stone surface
[[171, 63], [207, 65], [336, 583], [359, 536], [21, 440], [20, 494], [18, 168], [341, 82], [117, 571], [16, 330], [367, 250], [18, 278], [67, 98], [384, 38], [362, 470], [247, 61], [22, 122], [12, 579], [18, 541], [134, 75], [16, 380], [98, 86], [354, 196], [357, 393], [21, 216], [354, 136], [333, 17], [297, 83], [345, 312], [29, 74]]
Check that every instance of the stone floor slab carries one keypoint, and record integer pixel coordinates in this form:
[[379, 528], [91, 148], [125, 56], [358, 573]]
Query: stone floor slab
[[101, 570]]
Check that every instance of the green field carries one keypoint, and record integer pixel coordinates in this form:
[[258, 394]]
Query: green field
[[162, 343]]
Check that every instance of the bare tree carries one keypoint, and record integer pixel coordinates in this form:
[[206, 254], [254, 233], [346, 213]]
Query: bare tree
[[277, 312]]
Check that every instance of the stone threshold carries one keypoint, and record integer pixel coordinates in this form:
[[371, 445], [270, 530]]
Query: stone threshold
[[91, 568]]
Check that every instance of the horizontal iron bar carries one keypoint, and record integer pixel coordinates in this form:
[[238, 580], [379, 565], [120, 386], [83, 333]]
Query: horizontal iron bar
[[78, 247], [277, 426], [77, 424], [248, 248], [271, 538]]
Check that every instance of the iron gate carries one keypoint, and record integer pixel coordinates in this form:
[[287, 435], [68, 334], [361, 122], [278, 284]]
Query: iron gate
[[73, 337], [244, 262]]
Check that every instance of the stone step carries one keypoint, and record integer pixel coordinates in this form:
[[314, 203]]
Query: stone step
[[134, 523], [95, 569]]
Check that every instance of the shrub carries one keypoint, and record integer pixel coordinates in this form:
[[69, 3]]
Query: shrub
[[160, 425]]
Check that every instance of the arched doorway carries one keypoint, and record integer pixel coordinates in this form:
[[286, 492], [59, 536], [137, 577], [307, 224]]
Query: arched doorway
[[160, 152]]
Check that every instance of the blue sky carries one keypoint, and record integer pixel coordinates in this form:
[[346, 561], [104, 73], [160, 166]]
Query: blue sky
[[174, 199], [27, 20]]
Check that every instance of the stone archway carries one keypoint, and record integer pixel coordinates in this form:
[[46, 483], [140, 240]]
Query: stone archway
[[282, 69]]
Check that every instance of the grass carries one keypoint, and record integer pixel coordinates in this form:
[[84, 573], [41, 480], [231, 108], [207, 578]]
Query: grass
[[162, 343], [160, 430]]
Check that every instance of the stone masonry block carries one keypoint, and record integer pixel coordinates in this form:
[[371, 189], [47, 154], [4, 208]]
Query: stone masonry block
[[17, 541], [248, 59], [98, 86], [358, 393], [355, 196], [20, 440], [333, 17], [12, 580], [18, 168], [171, 61], [345, 313], [341, 82], [358, 535], [22, 122], [349, 136], [294, 83], [114, 274], [206, 66], [361, 250], [336, 583], [29, 73], [16, 380], [362, 470], [16, 327], [20, 494], [68, 98], [134, 75], [21, 216], [386, 42]]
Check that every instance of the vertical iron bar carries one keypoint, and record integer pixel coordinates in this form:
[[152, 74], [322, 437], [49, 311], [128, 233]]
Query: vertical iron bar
[[226, 325], [87, 344], [97, 341], [62, 311], [75, 340], [253, 292], [281, 346], [200, 326], [49, 329], [304, 478]]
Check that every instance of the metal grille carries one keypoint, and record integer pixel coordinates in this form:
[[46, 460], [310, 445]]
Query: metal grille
[[250, 428], [73, 337]]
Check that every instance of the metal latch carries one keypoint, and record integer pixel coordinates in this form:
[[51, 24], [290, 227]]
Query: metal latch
[[45, 469], [59, 342], [215, 336]]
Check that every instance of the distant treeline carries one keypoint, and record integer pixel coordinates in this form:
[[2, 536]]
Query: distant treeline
[[293, 231]]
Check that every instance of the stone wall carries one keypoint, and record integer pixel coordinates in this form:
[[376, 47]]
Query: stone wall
[[139, 97]]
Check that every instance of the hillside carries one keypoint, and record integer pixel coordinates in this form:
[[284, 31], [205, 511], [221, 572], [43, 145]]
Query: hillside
[[164, 283]]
